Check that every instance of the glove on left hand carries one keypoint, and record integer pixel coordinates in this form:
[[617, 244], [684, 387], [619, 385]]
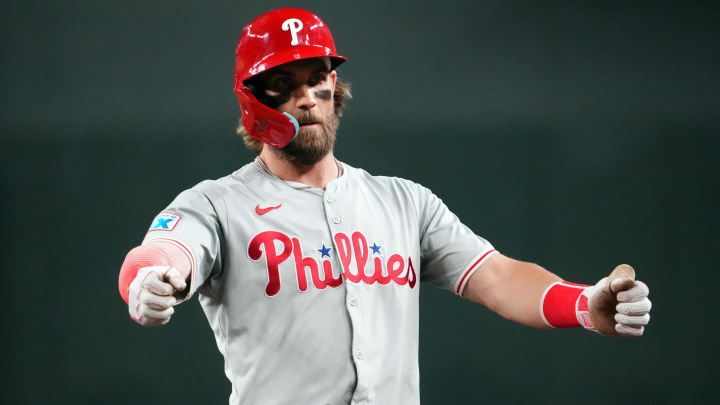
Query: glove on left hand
[[616, 305]]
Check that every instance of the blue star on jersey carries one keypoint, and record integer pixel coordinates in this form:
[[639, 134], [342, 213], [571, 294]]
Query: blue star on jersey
[[324, 251], [375, 248]]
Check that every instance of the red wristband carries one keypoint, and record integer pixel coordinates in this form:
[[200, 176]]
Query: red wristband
[[558, 306], [155, 253]]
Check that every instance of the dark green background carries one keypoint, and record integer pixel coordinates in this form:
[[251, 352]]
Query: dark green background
[[578, 135]]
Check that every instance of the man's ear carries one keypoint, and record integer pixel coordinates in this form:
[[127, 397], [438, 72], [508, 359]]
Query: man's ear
[[333, 79]]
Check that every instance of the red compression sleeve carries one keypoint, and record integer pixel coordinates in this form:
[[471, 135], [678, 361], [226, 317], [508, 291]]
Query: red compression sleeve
[[559, 304], [154, 253]]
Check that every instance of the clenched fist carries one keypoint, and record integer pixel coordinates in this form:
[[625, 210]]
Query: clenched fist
[[150, 300], [616, 305]]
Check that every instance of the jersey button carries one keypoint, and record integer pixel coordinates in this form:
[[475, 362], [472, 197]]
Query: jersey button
[[360, 355], [330, 197], [336, 219], [353, 301]]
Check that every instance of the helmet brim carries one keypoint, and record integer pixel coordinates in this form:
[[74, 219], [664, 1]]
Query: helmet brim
[[291, 55]]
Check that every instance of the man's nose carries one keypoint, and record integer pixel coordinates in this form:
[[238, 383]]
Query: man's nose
[[306, 99]]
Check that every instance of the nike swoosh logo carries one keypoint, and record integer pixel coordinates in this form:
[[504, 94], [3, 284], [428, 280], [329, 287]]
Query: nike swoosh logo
[[263, 211]]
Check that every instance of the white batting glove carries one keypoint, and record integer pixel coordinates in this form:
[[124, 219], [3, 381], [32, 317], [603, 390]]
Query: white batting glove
[[150, 300], [616, 305]]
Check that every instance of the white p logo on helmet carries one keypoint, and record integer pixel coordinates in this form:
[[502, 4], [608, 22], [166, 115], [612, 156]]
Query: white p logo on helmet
[[294, 26]]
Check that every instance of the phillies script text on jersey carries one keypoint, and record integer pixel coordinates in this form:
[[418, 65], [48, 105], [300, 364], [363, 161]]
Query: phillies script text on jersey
[[355, 245]]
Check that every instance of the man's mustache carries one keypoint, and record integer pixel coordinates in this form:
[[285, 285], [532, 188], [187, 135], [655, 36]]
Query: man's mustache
[[308, 117]]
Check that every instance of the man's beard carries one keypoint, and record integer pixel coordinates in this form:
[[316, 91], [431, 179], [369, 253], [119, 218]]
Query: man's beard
[[314, 143]]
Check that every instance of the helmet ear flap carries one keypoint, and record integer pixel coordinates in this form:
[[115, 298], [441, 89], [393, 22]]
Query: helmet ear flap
[[264, 123]]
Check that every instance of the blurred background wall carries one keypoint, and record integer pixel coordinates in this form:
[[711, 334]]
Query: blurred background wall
[[578, 135]]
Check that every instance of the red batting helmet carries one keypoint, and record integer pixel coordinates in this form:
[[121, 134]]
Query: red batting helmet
[[272, 39]]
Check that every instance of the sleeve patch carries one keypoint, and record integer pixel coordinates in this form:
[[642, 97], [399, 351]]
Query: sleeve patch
[[165, 221]]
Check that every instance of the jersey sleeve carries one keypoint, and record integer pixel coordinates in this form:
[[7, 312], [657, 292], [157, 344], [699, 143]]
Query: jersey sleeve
[[450, 251], [192, 223]]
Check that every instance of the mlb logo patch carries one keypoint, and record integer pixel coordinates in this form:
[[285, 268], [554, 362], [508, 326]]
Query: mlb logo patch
[[165, 221]]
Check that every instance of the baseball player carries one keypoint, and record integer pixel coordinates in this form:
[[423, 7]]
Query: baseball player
[[309, 269]]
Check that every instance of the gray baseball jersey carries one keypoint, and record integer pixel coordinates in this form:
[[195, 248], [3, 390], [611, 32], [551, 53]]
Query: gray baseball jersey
[[313, 294]]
